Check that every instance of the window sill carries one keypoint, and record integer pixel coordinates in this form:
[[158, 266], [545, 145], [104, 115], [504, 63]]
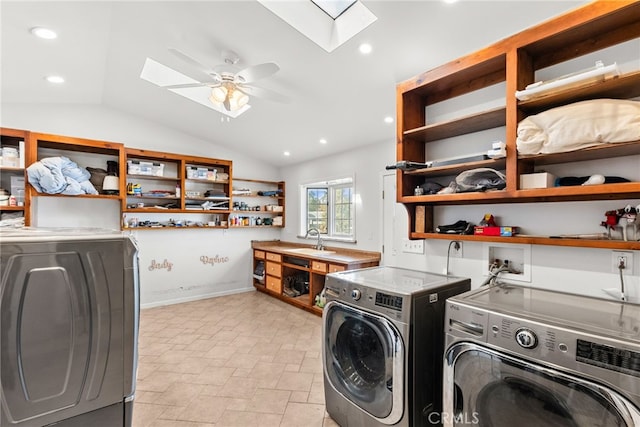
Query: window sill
[[329, 239]]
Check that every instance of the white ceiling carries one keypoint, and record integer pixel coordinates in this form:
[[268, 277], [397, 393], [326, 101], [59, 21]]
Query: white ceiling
[[342, 96]]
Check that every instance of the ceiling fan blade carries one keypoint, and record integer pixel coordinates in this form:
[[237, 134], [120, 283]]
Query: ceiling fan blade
[[256, 72], [263, 93], [187, 85], [189, 60]]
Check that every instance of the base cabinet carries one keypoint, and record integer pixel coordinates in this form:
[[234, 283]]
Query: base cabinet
[[299, 279]]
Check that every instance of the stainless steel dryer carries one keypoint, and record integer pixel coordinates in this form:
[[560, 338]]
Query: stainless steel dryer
[[383, 343], [533, 357], [69, 326]]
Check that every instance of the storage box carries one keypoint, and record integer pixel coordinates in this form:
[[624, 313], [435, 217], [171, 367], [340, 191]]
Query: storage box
[[537, 180], [17, 184], [199, 172], [137, 167], [495, 231]]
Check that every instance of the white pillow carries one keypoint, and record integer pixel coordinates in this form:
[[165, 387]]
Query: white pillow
[[579, 125]]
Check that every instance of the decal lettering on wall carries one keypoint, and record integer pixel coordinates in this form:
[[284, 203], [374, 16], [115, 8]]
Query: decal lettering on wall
[[213, 260], [164, 265]]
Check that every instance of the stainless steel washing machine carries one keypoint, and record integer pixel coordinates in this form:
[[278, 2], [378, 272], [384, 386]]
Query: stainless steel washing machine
[[533, 357], [382, 345]]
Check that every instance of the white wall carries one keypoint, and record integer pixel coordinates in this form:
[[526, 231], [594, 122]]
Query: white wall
[[570, 269], [366, 166], [175, 265]]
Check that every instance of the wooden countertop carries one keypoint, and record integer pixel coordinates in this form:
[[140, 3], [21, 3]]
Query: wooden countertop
[[332, 254]]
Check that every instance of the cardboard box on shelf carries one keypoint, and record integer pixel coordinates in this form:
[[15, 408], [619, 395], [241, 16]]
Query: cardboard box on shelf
[[495, 231], [537, 180]]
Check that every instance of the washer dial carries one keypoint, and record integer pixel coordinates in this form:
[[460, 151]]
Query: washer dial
[[526, 338]]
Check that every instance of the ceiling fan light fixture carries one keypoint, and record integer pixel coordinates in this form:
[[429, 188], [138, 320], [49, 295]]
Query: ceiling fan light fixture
[[218, 94]]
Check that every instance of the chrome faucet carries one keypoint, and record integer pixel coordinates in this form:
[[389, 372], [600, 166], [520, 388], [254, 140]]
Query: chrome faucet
[[310, 232], [494, 271]]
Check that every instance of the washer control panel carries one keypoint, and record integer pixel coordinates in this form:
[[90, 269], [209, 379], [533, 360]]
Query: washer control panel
[[526, 338]]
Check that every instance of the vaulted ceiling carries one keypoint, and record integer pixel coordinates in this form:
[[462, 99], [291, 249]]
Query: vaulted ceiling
[[342, 96]]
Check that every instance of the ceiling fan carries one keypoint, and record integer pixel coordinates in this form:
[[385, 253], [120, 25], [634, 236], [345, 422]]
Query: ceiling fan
[[231, 85]]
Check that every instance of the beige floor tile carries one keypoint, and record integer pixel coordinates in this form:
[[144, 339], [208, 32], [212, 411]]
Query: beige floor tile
[[303, 414], [295, 381], [248, 419], [238, 360], [207, 409], [299, 396], [244, 361], [179, 394], [239, 387], [144, 414]]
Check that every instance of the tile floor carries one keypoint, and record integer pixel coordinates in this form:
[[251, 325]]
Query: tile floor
[[238, 360]]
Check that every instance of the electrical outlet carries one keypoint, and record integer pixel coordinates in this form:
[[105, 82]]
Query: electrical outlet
[[413, 246], [624, 258], [456, 250]]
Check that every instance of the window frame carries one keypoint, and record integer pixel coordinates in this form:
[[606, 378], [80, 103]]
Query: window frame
[[331, 185]]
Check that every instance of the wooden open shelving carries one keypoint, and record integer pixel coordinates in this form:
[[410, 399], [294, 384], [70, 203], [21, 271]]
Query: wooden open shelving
[[513, 62]]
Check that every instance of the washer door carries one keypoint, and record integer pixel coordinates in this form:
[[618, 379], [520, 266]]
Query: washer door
[[492, 389], [363, 355]]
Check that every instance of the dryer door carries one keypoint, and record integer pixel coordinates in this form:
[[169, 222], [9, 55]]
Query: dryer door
[[363, 356], [493, 389]]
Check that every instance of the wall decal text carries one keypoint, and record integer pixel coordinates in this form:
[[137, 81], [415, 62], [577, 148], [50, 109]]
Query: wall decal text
[[213, 260], [164, 265]]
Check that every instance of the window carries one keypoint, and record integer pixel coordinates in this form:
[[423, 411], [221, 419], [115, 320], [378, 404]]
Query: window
[[329, 207]]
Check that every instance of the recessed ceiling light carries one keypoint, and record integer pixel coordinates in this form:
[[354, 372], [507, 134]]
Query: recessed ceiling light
[[450, 1], [54, 79], [365, 48], [388, 119], [323, 141], [44, 33], [286, 153]]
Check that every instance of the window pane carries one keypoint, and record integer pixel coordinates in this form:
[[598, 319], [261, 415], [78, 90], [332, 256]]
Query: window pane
[[342, 211], [317, 208]]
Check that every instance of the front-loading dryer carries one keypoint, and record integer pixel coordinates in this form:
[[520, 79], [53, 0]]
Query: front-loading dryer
[[382, 345], [519, 356]]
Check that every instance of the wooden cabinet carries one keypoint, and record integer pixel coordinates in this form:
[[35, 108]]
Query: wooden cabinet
[[257, 203], [13, 178], [511, 65], [174, 185], [298, 279]]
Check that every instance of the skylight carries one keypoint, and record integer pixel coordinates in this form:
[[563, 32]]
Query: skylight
[[328, 23], [333, 8]]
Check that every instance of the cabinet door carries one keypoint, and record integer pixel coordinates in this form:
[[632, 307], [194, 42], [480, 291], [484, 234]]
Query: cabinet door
[[319, 266], [274, 284], [274, 257], [335, 267], [274, 269]]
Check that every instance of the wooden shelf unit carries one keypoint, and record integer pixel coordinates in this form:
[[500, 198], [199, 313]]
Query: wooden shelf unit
[[254, 199], [99, 152], [11, 138], [513, 62], [175, 180]]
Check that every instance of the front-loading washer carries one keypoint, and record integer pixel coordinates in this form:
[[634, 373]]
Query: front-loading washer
[[519, 356], [383, 345]]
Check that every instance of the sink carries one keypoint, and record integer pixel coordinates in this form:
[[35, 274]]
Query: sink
[[310, 251]]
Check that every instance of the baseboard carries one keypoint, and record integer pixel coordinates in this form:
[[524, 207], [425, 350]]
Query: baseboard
[[196, 297]]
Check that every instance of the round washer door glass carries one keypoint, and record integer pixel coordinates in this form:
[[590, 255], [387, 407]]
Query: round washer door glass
[[495, 390], [362, 357]]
